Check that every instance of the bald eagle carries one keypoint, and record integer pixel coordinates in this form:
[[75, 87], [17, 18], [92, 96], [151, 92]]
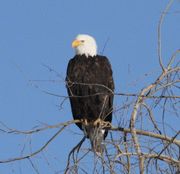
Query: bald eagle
[[90, 88]]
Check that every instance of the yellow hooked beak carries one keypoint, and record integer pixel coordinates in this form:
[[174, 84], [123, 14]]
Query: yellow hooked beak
[[76, 43]]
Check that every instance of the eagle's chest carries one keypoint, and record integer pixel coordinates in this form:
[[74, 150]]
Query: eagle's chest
[[87, 71]]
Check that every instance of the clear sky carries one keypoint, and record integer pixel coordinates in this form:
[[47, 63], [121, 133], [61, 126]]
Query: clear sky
[[36, 33]]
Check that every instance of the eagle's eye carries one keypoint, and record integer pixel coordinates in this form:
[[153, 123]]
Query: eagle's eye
[[82, 41]]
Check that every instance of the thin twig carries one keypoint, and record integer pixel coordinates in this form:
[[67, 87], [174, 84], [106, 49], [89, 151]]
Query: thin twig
[[36, 152], [163, 14]]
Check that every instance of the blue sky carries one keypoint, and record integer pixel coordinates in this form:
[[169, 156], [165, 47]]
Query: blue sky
[[39, 32]]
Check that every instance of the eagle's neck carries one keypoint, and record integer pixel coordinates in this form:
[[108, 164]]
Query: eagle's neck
[[86, 56]]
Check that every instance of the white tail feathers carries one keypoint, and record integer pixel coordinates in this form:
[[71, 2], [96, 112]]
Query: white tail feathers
[[96, 136]]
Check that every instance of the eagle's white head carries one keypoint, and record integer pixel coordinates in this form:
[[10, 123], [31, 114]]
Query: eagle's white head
[[85, 44]]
